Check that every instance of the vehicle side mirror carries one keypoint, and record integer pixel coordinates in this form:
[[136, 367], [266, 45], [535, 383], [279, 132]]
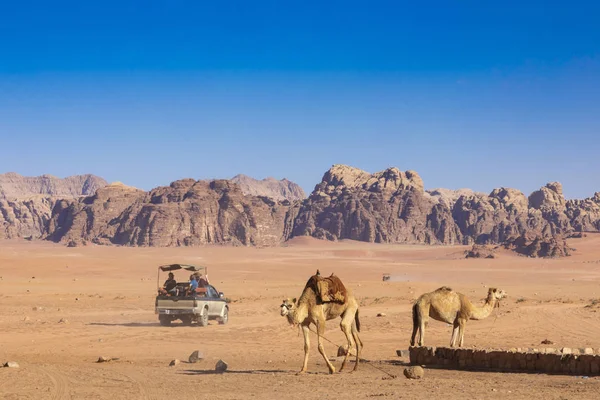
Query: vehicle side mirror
[[221, 294]]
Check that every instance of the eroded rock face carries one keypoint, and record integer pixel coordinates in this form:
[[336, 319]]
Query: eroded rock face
[[386, 207], [584, 215], [26, 203], [25, 218], [91, 219], [533, 245], [391, 206], [186, 213]]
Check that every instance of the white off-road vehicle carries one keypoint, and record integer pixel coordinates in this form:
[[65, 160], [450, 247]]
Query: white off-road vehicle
[[176, 300]]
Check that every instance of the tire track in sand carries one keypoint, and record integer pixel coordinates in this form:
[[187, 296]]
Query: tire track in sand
[[60, 382], [146, 387]]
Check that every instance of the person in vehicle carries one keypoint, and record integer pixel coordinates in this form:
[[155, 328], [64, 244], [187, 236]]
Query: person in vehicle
[[202, 280], [193, 284], [170, 285]]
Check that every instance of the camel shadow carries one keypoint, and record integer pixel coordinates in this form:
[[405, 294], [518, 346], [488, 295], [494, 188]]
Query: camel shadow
[[243, 372], [397, 363]]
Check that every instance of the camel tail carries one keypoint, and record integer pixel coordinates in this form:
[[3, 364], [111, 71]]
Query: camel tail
[[357, 321]]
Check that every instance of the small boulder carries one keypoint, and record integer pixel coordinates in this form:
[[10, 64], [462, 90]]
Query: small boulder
[[63, 321], [381, 314], [403, 353], [221, 366], [415, 372], [481, 251], [11, 364], [174, 363], [195, 357], [102, 359]]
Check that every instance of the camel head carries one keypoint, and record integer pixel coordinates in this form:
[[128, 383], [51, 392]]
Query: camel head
[[496, 294], [287, 307]]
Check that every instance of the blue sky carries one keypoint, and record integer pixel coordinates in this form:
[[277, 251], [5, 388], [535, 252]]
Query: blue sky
[[467, 94]]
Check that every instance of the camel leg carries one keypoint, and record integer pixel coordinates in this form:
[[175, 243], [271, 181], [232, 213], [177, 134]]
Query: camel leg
[[320, 333], [306, 333], [454, 333], [416, 319], [461, 332], [345, 326], [359, 345], [423, 319]]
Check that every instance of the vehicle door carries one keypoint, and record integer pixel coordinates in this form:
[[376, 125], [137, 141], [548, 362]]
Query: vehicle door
[[215, 305]]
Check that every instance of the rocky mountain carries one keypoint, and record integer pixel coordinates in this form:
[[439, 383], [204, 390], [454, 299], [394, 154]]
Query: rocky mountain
[[386, 207], [26, 203], [186, 213], [390, 206], [15, 186], [269, 187]]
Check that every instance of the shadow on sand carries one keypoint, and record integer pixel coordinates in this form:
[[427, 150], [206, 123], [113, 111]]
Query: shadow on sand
[[129, 324], [249, 372]]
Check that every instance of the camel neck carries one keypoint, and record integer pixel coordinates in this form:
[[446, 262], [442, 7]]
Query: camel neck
[[300, 312], [485, 310]]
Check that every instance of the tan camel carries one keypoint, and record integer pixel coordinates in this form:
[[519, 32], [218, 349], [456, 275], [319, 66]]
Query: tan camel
[[454, 308], [321, 300]]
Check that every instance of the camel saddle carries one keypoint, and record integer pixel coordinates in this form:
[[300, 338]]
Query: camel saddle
[[329, 289]]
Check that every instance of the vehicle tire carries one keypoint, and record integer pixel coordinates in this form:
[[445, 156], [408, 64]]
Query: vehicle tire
[[203, 319], [164, 320], [223, 320], [186, 320]]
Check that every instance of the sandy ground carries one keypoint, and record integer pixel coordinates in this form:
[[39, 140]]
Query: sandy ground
[[106, 294]]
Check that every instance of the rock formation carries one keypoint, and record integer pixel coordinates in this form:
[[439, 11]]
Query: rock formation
[[385, 207], [269, 187], [390, 206], [14, 186], [186, 213], [481, 251], [24, 218]]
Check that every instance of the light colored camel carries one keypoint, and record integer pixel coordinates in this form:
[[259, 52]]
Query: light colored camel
[[309, 309], [454, 308]]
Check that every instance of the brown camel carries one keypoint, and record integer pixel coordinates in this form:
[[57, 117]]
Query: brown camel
[[451, 307], [321, 300]]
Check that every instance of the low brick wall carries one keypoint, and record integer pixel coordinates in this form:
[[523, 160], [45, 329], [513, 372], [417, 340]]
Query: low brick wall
[[555, 361]]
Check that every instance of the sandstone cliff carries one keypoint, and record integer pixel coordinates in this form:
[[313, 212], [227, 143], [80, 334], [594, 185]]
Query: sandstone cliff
[[389, 206], [186, 213], [26, 203], [24, 218], [392, 207], [269, 187]]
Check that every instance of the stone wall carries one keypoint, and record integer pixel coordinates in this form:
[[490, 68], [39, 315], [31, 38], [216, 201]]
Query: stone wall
[[547, 360]]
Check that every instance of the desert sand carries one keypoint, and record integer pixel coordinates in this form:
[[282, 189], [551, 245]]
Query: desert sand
[[105, 297]]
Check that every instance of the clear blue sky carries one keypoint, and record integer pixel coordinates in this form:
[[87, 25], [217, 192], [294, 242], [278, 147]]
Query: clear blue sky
[[472, 94]]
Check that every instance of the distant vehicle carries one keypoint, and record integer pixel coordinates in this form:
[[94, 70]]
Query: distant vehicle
[[180, 303]]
